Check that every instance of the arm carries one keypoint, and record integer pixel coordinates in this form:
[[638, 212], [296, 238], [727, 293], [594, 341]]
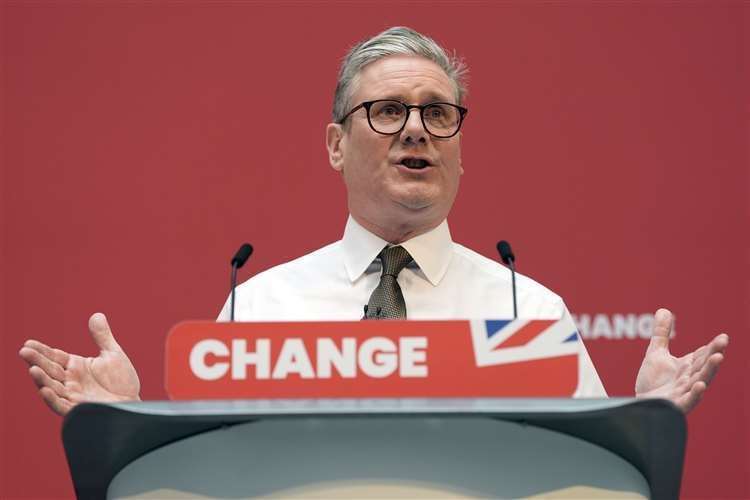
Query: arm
[[65, 380]]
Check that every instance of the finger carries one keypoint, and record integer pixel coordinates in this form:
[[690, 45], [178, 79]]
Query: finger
[[691, 398], [697, 357], [708, 370], [57, 404], [42, 380], [663, 320], [58, 356], [700, 355], [36, 358], [102, 334], [719, 343]]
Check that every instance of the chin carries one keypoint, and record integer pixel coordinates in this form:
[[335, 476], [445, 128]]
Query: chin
[[416, 197], [415, 203]]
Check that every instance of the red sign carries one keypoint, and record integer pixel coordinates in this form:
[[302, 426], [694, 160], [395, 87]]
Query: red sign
[[483, 358]]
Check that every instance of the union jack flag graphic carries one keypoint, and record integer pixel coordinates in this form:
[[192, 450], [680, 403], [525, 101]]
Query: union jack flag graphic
[[498, 342]]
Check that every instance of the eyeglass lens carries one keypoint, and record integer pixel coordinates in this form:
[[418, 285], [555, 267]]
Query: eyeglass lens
[[440, 119]]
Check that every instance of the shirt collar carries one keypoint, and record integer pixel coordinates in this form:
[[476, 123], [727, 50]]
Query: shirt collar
[[431, 251]]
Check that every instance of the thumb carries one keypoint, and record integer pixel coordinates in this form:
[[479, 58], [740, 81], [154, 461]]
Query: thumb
[[101, 333], [663, 321]]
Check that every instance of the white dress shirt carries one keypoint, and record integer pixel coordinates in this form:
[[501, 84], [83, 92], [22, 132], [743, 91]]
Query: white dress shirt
[[445, 281]]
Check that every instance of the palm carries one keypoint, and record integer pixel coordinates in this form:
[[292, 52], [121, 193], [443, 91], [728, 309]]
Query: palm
[[681, 380], [661, 373], [107, 377], [65, 380]]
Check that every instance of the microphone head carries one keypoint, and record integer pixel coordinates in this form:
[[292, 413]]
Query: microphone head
[[242, 255], [506, 254]]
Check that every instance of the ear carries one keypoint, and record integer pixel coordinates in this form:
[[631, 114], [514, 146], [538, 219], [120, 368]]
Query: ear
[[334, 136]]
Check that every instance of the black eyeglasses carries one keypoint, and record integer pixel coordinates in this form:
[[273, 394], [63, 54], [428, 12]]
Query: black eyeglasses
[[389, 117]]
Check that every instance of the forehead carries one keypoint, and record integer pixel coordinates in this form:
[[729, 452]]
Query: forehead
[[404, 77]]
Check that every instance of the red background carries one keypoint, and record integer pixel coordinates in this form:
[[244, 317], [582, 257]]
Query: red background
[[143, 142]]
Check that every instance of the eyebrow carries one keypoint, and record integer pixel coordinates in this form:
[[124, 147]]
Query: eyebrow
[[431, 97]]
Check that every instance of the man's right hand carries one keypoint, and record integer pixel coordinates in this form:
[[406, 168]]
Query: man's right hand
[[65, 380]]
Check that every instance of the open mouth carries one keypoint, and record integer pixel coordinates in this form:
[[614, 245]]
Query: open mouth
[[414, 163]]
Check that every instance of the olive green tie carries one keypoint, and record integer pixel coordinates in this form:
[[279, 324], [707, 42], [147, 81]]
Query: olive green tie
[[387, 300]]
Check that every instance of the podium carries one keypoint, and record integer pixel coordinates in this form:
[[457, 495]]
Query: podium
[[377, 448]]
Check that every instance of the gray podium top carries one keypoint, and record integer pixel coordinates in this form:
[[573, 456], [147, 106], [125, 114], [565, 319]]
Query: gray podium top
[[102, 439]]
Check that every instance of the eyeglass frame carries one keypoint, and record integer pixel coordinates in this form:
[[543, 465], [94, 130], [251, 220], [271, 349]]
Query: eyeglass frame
[[421, 107]]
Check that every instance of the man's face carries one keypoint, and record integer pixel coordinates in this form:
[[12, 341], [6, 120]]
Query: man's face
[[383, 193]]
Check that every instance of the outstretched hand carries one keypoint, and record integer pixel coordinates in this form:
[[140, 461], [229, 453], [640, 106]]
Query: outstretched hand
[[681, 380], [65, 380]]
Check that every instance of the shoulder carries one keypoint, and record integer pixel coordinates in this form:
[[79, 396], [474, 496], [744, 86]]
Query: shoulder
[[286, 289], [477, 265], [321, 262]]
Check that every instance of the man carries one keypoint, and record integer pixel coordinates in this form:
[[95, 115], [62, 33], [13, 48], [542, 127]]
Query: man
[[395, 139]]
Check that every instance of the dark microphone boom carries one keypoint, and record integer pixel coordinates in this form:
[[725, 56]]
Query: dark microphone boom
[[506, 254], [238, 261]]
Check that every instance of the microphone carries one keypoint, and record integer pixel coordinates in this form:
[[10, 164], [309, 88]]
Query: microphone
[[506, 254], [238, 261], [374, 313]]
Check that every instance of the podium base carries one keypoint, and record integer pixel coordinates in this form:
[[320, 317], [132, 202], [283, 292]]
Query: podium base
[[380, 457]]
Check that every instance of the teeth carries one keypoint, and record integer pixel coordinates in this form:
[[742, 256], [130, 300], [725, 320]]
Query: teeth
[[414, 163]]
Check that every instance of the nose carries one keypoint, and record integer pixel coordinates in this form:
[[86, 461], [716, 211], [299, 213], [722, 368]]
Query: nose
[[414, 130]]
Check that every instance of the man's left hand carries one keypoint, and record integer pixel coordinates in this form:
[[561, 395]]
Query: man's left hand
[[681, 380]]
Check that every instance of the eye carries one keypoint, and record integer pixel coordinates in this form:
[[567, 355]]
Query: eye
[[435, 112], [391, 110]]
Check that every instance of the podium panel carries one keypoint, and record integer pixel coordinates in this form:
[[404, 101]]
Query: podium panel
[[372, 457], [328, 448]]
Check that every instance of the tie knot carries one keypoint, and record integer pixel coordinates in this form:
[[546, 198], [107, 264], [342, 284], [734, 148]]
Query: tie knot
[[394, 259]]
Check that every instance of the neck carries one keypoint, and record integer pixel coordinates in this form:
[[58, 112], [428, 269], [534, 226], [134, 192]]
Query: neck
[[395, 233]]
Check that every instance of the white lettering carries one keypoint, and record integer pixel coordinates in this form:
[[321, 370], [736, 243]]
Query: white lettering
[[624, 325], [601, 327], [632, 326], [345, 360], [377, 357], [293, 359], [645, 325], [583, 324], [198, 359], [413, 351], [261, 358]]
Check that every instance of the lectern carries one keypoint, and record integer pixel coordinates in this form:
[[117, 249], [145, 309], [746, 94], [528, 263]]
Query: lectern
[[359, 448]]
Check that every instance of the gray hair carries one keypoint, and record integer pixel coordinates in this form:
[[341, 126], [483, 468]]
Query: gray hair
[[396, 40]]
